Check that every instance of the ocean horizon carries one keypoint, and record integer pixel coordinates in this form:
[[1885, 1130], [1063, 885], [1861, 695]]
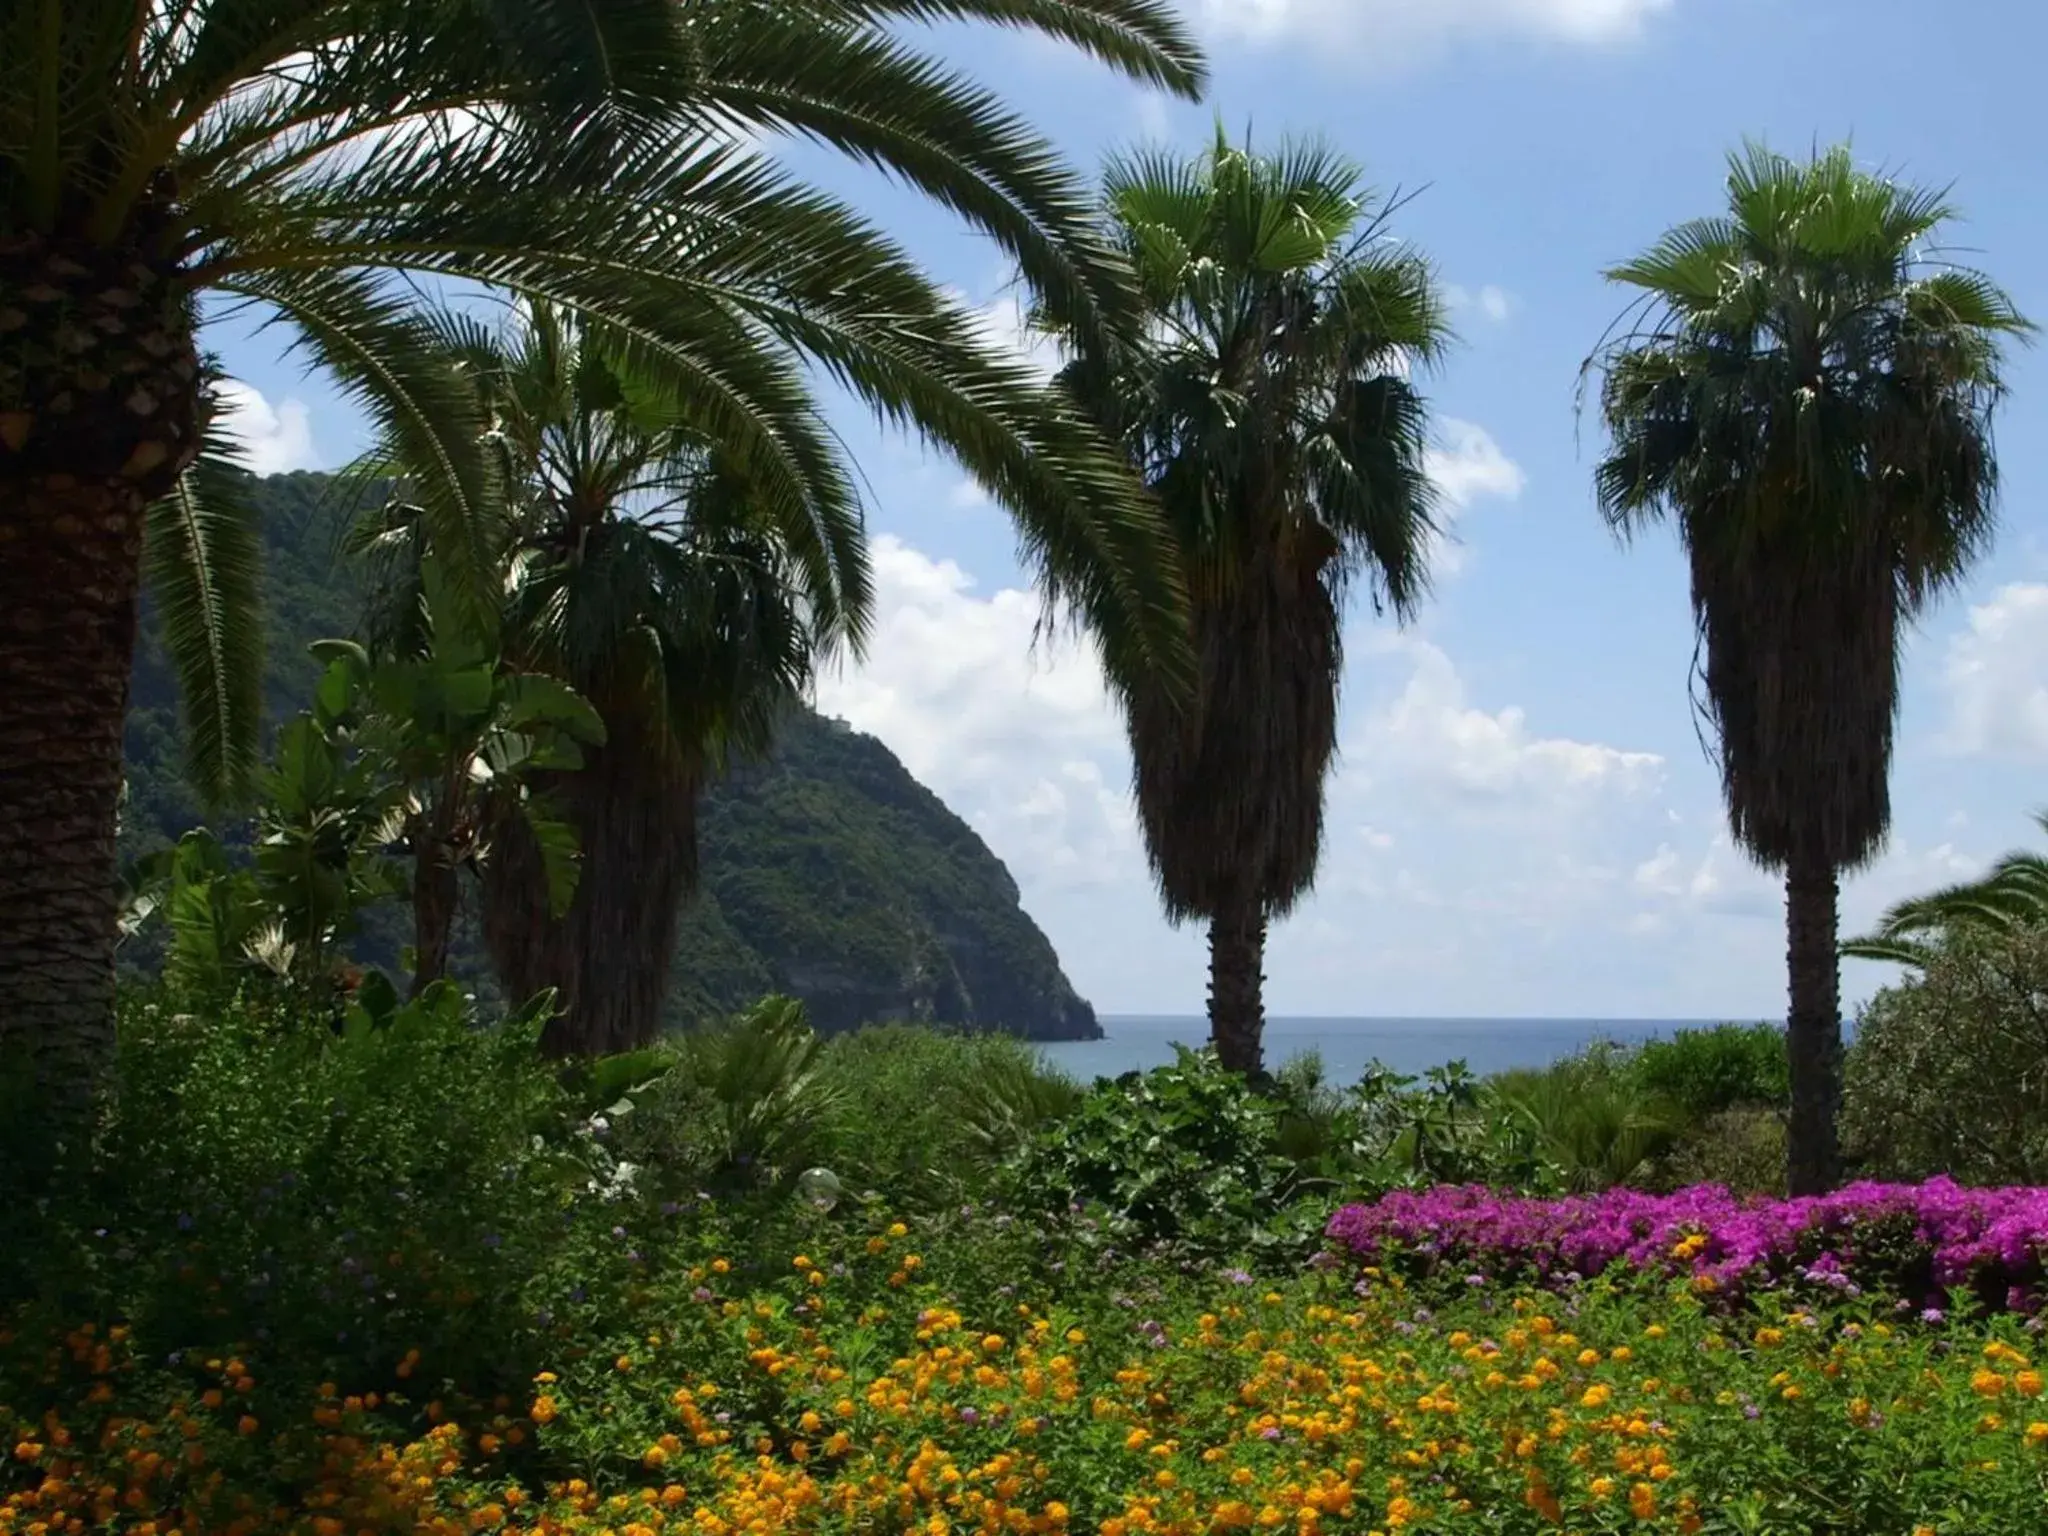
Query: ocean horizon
[[1347, 1046]]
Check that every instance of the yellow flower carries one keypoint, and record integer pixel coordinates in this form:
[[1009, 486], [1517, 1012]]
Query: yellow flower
[[1987, 1384], [654, 1458], [543, 1410], [2037, 1434], [1596, 1397], [1601, 1487], [1589, 1357], [2027, 1383], [1642, 1501]]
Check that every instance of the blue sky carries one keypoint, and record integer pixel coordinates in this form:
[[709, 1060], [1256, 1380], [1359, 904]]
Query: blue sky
[[1523, 823]]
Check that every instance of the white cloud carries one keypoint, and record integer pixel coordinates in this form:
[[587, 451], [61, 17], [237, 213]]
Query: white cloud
[[1399, 30], [1465, 846], [1490, 302], [1996, 676], [273, 438], [1432, 732], [1724, 881], [1004, 323], [1466, 463], [1155, 117], [1022, 742]]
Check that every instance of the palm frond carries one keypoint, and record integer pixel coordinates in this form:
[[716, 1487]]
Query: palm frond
[[876, 99], [202, 568], [388, 355], [1809, 397], [1146, 39]]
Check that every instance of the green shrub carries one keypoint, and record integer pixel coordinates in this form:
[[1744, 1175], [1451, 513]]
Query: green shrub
[[1703, 1072], [1185, 1154], [1593, 1123], [1743, 1149], [926, 1116], [343, 1195], [1949, 1070], [921, 1117]]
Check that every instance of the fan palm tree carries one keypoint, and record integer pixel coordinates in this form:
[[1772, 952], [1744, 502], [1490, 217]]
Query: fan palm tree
[[321, 160], [1809, 396], [643, 568], [1267, 400], [2012, 898]]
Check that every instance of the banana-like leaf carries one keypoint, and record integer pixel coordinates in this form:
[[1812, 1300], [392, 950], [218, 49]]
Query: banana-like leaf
[[560, 856]]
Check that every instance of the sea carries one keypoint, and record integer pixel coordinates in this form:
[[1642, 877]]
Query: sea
[[1349, 1046]]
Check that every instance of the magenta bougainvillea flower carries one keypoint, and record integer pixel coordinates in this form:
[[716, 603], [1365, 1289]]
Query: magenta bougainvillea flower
[[1911, 1242]]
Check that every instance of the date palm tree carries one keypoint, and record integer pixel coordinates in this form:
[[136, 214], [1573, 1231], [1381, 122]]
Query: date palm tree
[[1267, 399], [323, 161], [1808, 394], [643, 568], [2011, 898]]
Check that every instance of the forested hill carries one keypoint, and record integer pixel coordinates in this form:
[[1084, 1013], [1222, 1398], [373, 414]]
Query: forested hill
[[830, 873]]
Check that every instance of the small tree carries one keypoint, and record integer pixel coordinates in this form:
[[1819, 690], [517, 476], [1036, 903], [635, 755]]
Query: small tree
[[1949, 1072], [458, 742]]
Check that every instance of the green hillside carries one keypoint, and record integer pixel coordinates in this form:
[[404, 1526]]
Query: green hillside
[[830, 873]]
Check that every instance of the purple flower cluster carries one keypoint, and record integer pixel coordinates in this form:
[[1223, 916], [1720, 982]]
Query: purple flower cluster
[[1911, 1242]]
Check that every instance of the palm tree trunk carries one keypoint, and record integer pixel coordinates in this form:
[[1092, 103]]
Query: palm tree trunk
[[608, 958], [1813, 1035], [99, 415], [1237, 1010], [70, 554], [435, 896]]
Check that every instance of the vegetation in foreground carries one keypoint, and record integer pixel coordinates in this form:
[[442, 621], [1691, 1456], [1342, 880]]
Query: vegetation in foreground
[[394, 1272], [838, 1388]]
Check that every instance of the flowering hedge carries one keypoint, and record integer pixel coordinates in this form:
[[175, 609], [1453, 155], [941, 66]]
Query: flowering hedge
[[1912, 1244], [845, 1392]]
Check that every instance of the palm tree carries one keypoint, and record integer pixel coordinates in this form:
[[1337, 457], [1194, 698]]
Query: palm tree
[[1809, 395], [643, 568], [1267, 400], [2011, 899], [321, 160]]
